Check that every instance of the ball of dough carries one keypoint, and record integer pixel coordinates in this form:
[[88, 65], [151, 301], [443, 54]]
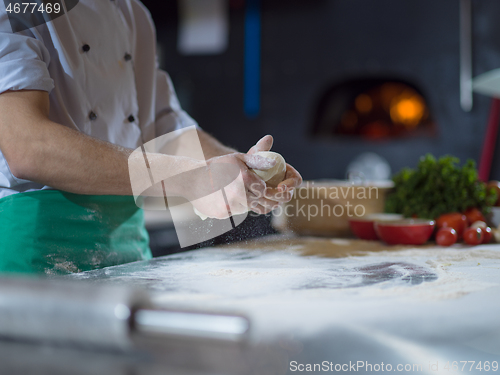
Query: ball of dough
[[276, 174]]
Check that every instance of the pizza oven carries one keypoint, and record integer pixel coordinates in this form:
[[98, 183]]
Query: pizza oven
[[373, 109]]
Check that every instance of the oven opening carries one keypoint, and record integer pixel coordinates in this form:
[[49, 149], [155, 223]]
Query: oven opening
[[373, 109]]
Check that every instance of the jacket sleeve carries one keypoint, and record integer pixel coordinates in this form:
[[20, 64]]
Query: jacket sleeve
[[24, 60], [169, 114]]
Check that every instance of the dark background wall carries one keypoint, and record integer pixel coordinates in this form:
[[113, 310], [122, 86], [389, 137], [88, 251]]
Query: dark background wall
[[308, 45]]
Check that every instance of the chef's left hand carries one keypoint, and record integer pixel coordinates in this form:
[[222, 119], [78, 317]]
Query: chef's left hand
[[284, 191]]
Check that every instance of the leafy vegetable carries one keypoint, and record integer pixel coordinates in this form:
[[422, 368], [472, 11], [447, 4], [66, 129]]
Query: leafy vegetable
[[437, 187]]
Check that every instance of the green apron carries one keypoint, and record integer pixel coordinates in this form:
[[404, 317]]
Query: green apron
[[53, 232]]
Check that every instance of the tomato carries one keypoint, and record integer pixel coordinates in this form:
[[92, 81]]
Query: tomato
[[446, 236], [496, 186], [487, 234], [473, 236], [473, 215], [453, 220]]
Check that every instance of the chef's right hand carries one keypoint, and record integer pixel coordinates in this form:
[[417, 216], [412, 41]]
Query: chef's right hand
[[242, 194]]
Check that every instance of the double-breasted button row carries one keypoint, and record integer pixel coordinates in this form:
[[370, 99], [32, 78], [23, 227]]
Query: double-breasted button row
[[127, 57], [93, 117]]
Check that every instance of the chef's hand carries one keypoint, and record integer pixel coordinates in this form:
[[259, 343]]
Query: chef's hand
[[284, 191], [241, 197], [253, 194]]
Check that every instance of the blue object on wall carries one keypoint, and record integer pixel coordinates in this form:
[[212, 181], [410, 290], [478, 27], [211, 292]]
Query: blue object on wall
[[252, 58]]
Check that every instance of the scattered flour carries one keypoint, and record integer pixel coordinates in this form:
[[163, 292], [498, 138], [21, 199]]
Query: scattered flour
[[280, 289], [240, 274]]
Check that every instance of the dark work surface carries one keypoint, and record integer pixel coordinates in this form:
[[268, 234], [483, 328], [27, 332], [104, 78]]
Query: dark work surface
[[323, 308], [164, 241], [302, 308]]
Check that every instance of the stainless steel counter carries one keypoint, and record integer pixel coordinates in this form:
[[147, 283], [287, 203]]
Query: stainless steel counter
[[332, 300], [340, 305]]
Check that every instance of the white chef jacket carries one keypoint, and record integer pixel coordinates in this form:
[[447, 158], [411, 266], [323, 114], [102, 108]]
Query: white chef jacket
[[98, 62]]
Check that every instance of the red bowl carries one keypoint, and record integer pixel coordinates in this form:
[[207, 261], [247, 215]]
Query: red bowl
[[364, 228], [405, 232]]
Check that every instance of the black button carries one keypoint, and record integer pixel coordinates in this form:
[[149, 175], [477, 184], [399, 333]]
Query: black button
[[86, 48], [127, 57], [131, 118], [92, 116]]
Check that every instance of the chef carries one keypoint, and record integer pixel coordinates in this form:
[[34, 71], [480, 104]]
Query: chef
[[77, 96]]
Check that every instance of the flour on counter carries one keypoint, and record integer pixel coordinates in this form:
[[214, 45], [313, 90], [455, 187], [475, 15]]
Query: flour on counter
[[341, 299], [223, 272]]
